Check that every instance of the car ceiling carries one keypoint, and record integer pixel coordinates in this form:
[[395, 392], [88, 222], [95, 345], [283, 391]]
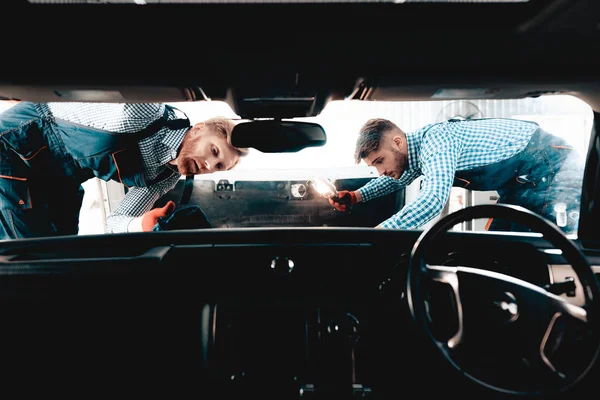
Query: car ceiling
[[289, 60]]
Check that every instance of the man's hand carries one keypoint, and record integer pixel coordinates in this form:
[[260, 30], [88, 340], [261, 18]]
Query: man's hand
[[343, 199], [151, 217]]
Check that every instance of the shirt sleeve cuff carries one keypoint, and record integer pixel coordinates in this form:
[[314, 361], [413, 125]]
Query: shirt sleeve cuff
[[118, 224], [364, 194]]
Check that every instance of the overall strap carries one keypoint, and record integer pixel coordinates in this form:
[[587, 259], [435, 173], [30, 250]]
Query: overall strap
[[187, 189], [189, 179], [157, 125], [172, 124]]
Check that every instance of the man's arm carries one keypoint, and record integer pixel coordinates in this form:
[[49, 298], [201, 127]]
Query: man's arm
[[138, 201], [378, 187], [375, 188], [426, 206], [113, 117], [440, 158]]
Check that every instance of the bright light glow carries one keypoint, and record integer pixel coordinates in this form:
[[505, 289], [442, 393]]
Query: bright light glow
[[324, 187]]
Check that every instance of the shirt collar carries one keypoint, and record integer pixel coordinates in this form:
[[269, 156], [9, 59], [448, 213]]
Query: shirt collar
[[172, 141], [413, 143]]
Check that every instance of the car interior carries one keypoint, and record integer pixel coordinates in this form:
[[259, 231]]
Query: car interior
[[282, 296]]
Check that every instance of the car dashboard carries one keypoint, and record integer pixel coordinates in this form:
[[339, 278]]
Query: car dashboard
[[286, 313]]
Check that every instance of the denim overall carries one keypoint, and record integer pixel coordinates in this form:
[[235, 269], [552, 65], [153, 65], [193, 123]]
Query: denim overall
[[44, 161], [545, 172]]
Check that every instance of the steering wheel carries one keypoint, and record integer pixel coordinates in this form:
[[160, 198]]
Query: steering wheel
[[532, 328]]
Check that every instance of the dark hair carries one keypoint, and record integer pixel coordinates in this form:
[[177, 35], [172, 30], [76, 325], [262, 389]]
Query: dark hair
[[370, 136]]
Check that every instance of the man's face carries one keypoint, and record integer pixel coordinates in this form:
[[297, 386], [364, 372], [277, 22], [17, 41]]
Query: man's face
[[204, 151], [390, 158]]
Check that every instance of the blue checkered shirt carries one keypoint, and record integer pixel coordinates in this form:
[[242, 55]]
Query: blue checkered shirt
[[437, 151], [157, 150]]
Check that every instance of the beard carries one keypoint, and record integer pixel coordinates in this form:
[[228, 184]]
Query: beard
[[401, 160], [187, 166], [186, 163]]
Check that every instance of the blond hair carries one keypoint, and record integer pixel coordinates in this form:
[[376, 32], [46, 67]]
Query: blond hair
[[224, 127]]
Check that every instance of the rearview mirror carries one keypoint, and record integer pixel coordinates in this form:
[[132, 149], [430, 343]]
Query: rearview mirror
[[271, 136]]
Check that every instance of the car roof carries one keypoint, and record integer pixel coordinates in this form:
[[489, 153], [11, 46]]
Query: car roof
[[289, 59]]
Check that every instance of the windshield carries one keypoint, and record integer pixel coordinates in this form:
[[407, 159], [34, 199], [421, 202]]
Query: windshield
[[275, 189]]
